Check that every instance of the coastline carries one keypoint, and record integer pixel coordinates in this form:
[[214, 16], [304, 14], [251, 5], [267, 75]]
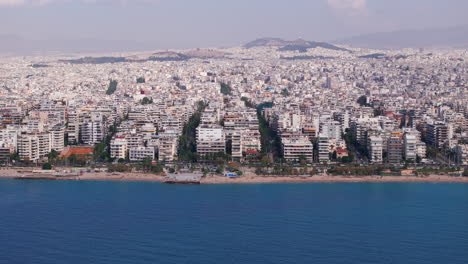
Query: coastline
[[246, 179]]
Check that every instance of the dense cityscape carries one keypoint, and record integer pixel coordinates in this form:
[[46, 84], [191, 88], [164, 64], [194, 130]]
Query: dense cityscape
[[260, 109]]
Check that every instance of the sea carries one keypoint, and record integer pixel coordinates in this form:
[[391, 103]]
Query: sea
[[70, 222]]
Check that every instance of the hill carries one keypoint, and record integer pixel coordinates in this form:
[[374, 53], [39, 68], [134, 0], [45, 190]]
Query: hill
[[294, 45]]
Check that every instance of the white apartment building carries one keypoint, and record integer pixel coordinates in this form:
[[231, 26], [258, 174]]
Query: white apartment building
[[32, 147], [210, 140], [375, 149], [9, 138], [118, 148], [323, 148], [93, 130], [57, 138], [168, 146], [462, 154], [297, 147], [410, 143], [140, 153]]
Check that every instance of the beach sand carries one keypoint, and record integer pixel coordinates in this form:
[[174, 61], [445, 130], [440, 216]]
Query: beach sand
[[246, 179]]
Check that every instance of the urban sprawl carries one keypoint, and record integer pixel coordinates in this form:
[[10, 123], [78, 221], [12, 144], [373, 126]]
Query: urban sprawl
[[218, 111]]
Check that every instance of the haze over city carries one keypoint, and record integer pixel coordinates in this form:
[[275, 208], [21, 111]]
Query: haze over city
[[97, 25]]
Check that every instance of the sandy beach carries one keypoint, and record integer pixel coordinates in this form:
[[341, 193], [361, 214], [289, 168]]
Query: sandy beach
[[332, 179], [246, 179]]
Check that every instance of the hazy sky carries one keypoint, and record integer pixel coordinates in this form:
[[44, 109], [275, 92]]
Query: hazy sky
[[210, 23]]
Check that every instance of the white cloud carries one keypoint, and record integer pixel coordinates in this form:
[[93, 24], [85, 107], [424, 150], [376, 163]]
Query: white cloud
[[349, 7]]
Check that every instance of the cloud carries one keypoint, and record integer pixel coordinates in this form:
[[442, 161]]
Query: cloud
[[23, 3], [349, 7]]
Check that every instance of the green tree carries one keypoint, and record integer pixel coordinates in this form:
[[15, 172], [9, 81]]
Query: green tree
[[112, 87], [187, 149], [72, 159], [118, 168], [15, 156], [141, 80], [53, 155], [146, 101], [46, 166], [226, 89], [363, 101]]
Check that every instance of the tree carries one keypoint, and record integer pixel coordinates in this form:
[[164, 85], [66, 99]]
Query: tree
[[53, 155], [141, 80], [418, 159], [226, 89], [234, 166], [363, 101], [118, 168], [266, 161], [15, 156], [187, 149], [46, 166], [112, 87], [285, 92], [146, 101], [229, 147], [121, 160], [302, 160], [146, 164], [72, 159], [465, 172]]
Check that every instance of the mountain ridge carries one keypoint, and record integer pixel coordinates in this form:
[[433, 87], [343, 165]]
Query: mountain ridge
[[300, 45]]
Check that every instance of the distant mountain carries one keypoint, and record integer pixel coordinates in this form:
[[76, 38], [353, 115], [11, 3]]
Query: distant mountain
[[294, 45], [452, 37], [157, 56]]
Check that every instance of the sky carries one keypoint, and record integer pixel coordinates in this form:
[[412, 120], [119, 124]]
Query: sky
[[217, 23]]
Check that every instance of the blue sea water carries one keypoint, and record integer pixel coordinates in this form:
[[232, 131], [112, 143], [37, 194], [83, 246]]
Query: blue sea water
[[129, 222]]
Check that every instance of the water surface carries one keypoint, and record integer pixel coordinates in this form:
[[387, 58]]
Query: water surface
[[128, 222]]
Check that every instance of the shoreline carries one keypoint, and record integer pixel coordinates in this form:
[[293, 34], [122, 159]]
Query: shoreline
[[247, 179]]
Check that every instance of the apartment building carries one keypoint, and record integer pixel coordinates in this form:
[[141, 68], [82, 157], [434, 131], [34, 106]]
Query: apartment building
[[296, 148], [118, 148], [375, 149], [168, 146], [462, 154], [141, 153], [394, 148], [210, 140], [437, 134], [410, 144]]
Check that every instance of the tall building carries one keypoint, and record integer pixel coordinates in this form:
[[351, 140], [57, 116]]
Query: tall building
[[210, 140], [118, 148], [57, 138], [33, 146], [437, 134], [323, 151], [462, 154], [375, 149], [296, 148], [410, 147], [93, 129], [394, 148], [168, 146]]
